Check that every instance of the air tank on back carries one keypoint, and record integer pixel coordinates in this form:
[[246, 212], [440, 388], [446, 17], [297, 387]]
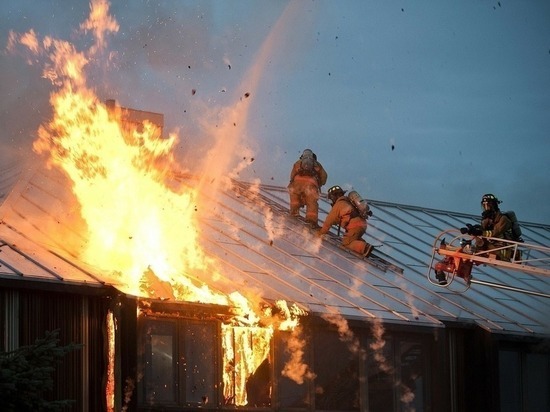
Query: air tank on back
[[360, 203]]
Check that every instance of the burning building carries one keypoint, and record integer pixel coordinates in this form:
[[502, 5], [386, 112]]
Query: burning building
[[266, 315], [193, 291]]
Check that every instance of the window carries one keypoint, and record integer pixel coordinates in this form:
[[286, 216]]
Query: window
[[161, 364], [293, 384], [189, 363], [524, 381], [179, 362], [380, 376], [337, 370], [396, 374], [247, 376], [411, 376], [510, 381]]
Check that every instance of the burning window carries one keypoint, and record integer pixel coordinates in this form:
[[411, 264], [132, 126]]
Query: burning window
[[180, 364], [247, 366]]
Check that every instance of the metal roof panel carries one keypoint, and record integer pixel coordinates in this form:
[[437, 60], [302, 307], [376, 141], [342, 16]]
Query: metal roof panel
[[262, 251]]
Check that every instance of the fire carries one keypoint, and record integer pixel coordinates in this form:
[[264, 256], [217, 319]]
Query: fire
[[136, 225], [140, 229], [110, 385], [244, 350]]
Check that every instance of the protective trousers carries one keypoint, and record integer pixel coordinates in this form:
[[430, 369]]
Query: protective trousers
[[304, 191], [352, 239]]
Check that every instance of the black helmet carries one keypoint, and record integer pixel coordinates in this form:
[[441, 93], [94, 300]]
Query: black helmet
[[489, 202], [334, 193]]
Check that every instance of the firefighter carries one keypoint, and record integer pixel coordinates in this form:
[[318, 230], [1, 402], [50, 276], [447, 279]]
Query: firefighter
[[306, 178], [347, 216], [494, 224]]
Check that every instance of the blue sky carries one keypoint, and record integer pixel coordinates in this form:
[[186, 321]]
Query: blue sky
[[426, 103]]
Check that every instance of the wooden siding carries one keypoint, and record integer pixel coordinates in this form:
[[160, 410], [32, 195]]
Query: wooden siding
[[81, 320]]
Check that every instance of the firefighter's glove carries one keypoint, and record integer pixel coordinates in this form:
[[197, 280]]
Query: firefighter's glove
[[473, 230]]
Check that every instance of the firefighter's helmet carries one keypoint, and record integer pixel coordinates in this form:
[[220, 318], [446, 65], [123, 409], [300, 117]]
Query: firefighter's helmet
[[490, 202], [308, 153], [334, 193]]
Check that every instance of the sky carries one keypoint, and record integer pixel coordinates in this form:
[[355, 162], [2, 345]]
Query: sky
[[425, 103]]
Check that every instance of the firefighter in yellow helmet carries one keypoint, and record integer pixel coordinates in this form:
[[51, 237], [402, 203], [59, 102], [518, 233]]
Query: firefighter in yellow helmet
[[306, 178], [344, 214]]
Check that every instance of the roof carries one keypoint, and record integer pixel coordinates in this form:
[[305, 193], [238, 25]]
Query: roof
[[9, 174], [261, 248]]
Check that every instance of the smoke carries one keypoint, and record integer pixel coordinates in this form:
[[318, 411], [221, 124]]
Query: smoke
[[273, 230], [232, 144], [377, 346], [345, 334], [377, 350], [408, 296], [407, 397], [295, 368], [230, 153]]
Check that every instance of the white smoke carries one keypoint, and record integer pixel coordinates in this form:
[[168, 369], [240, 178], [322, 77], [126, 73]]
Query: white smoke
[[377, 346], [345, 334], [295, 368]]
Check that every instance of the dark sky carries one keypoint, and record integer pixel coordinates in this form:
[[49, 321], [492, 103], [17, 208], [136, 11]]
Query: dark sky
[[427, 103]]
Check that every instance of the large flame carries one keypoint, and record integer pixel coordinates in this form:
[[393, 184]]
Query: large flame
[[139, 227], [136, 225]]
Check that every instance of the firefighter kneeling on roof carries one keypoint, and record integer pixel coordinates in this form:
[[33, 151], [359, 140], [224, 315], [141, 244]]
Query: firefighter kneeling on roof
[[350, 213]]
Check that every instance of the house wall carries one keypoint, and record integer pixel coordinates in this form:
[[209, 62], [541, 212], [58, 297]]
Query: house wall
[[524, 375], [371, 367], [500, 373], [368, 367], [27, 314]]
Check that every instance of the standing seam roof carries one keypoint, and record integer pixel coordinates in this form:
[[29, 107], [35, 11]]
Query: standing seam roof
[[263, 251]]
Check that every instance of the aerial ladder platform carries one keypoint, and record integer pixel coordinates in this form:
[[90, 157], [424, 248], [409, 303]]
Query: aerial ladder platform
[[460, 253]]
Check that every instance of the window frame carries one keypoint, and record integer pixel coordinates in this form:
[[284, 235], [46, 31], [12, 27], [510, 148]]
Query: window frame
[[180, 345]]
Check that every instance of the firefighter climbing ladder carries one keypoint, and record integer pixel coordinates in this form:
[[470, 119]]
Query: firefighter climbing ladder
[[459, 257]]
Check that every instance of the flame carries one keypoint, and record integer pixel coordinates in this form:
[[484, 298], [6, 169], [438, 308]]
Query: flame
[[140, 227], [244, 349], [137, 227], [110, 384]]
